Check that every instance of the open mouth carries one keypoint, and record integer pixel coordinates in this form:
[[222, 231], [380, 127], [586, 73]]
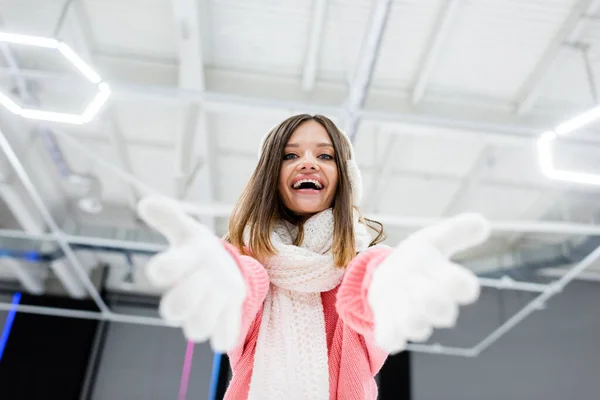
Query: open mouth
[[310, 184]]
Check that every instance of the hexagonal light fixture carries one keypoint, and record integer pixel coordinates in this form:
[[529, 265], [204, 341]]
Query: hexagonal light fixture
[[545, 146], [93, 107]]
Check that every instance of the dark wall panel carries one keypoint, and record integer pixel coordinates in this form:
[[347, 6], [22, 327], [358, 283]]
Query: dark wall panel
[[46, 357]]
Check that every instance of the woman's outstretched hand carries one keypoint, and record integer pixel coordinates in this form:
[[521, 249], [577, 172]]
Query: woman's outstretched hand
[[417, 288], [206, 290]]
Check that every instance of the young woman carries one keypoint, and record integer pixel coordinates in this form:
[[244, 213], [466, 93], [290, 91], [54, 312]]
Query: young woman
[[303, 299]]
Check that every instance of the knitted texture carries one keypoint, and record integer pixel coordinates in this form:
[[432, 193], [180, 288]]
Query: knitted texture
[[353, 358], [291, 352], [352, 307]]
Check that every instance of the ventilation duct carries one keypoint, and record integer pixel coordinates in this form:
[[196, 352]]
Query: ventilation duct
[[524, 264]]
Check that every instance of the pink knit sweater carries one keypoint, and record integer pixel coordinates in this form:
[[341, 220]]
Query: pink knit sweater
[[354, 360]]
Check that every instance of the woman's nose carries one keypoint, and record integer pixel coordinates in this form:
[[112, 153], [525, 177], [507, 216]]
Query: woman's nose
[[308, 162]]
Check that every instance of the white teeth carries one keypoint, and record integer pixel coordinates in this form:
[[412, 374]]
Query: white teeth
[[317, 183]]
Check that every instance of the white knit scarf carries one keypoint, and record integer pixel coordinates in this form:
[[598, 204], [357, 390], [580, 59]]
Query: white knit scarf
[[291, 353]]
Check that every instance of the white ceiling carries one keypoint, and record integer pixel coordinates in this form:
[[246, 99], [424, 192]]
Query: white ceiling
[[461, 147]]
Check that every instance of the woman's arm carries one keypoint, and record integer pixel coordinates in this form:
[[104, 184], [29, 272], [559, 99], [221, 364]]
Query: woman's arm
[[352, 305], [402, 295], [257, 285]]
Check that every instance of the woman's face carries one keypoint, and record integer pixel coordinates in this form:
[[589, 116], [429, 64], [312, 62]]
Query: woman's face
[[308, 177]]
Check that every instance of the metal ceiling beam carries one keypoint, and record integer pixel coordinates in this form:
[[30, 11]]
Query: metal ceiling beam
[[118, 143], [67, 274], [400, 221], [78, 145], [539, 302], [444, 24], [69, 313], [28, 221], [398, 172], [502, 129], [470, 182], [223, 210], [382, 176], [363, 73], [78, 29], [186, 14], [546, 292], [570, 31], [315, 42], [194, 165], [80, 38], [445, 118], [29, 276], [77, 269], [547, 199]]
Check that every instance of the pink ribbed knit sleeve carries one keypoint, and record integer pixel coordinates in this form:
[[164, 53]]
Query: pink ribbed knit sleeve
[[352, 305], [257, 285]]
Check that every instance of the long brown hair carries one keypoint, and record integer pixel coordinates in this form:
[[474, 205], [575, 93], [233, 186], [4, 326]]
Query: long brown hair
[[260, 205]]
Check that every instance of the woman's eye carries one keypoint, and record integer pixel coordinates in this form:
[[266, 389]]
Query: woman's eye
[[326, 157], [289, 156]]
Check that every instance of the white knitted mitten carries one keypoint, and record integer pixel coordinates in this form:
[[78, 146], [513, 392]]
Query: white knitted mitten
[[416, 288], [206, 288]]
